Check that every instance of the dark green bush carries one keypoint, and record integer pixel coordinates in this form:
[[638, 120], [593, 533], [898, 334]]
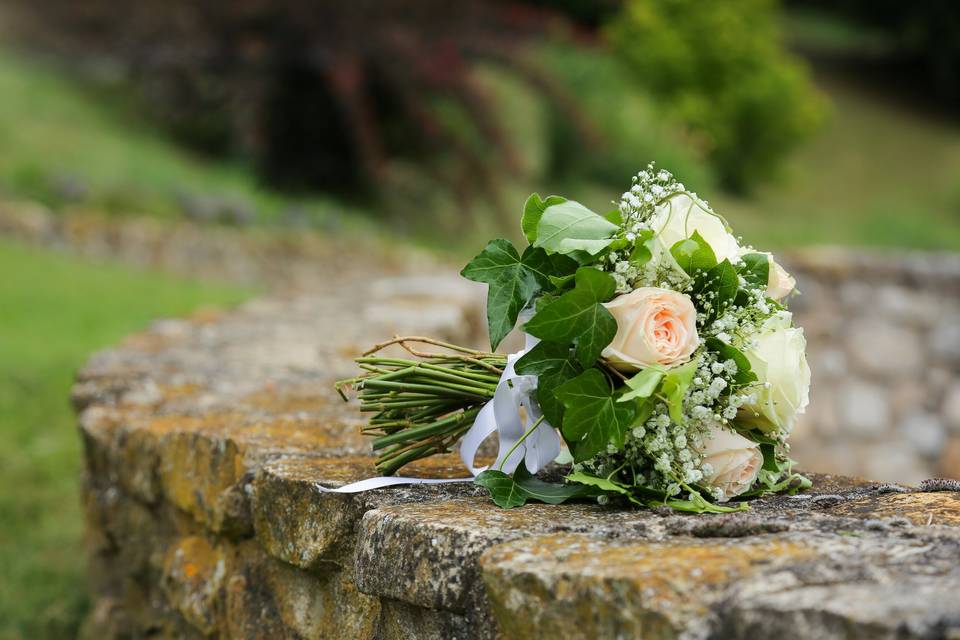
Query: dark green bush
[[719, 68]]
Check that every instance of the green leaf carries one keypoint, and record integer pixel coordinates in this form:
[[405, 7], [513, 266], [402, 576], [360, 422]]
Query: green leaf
[[510, 492], [605, 484], [561, 282], [756, 270], [723, 282], [578, 316], [505, 492], [512, 282], [643, 385], [562, 265], [555, 365], [694, 254], [592, 417], [644, 411], [600, 327], [542, 301], [724, 351], [699, 504], [770, 462], [570, 227], [642, 248], [533, 210], [676, 382], [550, 404], [614, 216], [547, 357]]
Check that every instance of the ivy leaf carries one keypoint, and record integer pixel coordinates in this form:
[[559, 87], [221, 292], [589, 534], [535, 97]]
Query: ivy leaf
[[505, 492], [555, 365], [533, 210], [770, 462], [724, 351], [547, 386], [561, 282], [512, 282], [723, 282], [562, 265], [676, 382], [694, 254], [756, 270], [643, 385], [726, 283], [599, 330], [510, 492], [592, 418], [642, 249], [578, 316], [547, 357], [570, 227]]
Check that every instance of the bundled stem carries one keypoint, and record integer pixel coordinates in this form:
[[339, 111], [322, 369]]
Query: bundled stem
[[421, 405]]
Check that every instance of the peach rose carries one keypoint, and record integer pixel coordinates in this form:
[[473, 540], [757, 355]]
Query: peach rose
[[734, 461], [654, 327]]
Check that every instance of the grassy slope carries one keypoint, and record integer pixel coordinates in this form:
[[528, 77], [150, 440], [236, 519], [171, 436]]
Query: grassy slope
[[53, 311], [55, 130], [877, 175]]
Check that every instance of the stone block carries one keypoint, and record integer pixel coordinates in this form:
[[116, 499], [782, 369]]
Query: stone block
[[864, 407], [925, 433], [884, 349]]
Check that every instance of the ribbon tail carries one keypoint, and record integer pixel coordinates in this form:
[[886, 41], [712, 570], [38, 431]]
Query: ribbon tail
[[543, 445], [387, 481], [483, 426]]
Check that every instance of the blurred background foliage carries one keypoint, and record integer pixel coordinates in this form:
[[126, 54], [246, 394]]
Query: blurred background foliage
[[720, 69], [803, 121], [428, 120]]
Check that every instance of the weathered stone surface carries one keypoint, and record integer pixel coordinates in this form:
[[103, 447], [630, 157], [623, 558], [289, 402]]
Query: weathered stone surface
[[541, 585], [209, 442]]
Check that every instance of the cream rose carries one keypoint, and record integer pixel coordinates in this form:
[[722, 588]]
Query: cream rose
[[654, 326], [778, 358], [677, 219], [734, 461], [779, 282]]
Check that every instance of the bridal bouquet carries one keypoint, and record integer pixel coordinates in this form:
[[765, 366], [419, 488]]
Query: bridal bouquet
[[661, 364]]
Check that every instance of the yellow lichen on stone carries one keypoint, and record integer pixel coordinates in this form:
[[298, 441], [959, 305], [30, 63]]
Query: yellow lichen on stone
[[193, 573], [937, 508], [538, 585]]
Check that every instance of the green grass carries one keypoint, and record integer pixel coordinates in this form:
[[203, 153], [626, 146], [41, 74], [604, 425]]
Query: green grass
[[878, 175], [54, 310]]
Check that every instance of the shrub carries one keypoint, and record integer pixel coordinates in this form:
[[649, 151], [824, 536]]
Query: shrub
[[718, 67]]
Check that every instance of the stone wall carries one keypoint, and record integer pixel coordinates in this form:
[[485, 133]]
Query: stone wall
[[208, 442], [884, 349]]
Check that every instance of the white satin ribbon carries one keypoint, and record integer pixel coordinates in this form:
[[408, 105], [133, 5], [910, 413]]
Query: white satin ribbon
[[503, 415]]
